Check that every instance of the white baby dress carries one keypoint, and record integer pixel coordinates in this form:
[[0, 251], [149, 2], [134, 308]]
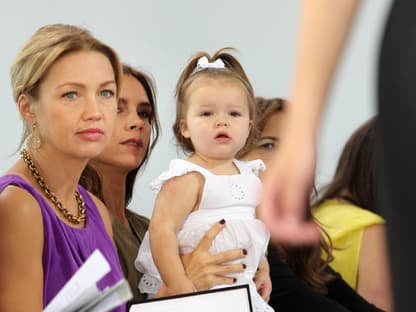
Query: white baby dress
[[229, 197]]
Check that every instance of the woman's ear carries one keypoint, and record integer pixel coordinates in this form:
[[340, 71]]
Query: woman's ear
[[26, 108], [184, 129]]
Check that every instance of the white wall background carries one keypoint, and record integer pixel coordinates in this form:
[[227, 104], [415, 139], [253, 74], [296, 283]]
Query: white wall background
[[159, 36]]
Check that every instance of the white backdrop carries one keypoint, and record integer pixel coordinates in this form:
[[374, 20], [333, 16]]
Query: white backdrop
[[159, 36]]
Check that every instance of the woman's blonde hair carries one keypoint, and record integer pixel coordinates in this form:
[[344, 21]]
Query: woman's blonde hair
[[47, 45], [232, 71]]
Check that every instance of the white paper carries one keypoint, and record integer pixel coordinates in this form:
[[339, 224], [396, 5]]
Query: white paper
[[87, 296], [222, 300], [82, 285], [110, 298]]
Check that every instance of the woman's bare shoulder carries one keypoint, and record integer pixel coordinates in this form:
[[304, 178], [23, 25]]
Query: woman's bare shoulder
[[16, 202]]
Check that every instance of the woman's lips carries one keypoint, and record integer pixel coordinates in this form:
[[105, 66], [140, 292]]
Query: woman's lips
[[91, 134], [133, 142]]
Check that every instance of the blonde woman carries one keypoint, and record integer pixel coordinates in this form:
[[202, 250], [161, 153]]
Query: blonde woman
[[65, 84]]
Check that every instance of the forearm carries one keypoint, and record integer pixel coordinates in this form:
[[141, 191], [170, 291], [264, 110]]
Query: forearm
[[165, 251], [162, 292], [169, 213], [324, 26]]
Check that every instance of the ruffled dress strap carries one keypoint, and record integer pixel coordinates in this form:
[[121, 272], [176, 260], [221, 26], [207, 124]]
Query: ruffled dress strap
[[177, 168], [250, 166]]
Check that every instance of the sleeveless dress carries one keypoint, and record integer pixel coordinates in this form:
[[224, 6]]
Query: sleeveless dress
[[230, 197], [66, 248], [345, 224]]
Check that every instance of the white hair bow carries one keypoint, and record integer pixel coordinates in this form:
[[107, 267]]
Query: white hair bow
[[203, 63]]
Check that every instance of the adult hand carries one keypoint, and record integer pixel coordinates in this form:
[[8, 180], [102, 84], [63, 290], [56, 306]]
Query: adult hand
[[181, 286], [263, 281], [206, 270], [287, 188]]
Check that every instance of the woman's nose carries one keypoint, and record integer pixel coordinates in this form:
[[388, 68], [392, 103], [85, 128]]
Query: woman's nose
[[92, 109], [135, 122]]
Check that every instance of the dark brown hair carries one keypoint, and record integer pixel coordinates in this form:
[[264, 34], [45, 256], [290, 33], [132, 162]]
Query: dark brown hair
[[233, 71], [308, 262], [355, 172], [91, 179]]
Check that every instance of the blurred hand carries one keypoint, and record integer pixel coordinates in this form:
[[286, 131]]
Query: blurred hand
[[287, 187]]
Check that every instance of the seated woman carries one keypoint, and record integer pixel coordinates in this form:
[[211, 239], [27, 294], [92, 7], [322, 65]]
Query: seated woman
[[49, 225], [111, 177], [348, 212], [302, 279]]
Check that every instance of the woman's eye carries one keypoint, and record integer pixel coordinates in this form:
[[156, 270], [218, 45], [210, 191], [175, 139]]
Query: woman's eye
[[71, 95], [107, 93], [144, 114], [266, 146]]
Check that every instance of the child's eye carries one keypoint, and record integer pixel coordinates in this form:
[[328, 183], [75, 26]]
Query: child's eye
[[107, 93], [206, 114], [71, 95], [235, 114]]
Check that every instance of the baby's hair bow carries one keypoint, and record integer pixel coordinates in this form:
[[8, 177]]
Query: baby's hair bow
[[203, 63]]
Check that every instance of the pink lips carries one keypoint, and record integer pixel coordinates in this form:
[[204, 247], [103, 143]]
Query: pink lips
[[133, 143], [222, 137], [91, 134]]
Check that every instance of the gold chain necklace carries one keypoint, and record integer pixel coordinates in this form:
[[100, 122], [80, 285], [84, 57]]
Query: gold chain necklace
[[51, 196]]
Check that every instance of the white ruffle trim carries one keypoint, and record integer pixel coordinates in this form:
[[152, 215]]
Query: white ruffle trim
[[149, 284], [177, 168], [256, 165]]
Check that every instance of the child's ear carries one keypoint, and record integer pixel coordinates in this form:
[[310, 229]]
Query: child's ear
[[26, 108], [184, 129], [250, 125]]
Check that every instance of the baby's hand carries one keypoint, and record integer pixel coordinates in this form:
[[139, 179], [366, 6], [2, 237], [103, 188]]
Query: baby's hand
[[263, 281], [182, 286]]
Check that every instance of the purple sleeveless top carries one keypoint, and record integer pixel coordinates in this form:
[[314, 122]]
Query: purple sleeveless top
[[66, 248]]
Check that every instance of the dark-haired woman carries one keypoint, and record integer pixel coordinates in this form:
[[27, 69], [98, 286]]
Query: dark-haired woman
[[302, 279], [347, 210]]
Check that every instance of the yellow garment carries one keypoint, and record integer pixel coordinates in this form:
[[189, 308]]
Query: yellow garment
[[345, 224]]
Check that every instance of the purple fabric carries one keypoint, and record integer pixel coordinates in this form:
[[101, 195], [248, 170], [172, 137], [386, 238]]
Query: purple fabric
[[66, 248]]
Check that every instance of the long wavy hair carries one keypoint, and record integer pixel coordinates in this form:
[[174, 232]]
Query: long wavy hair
[[355, 175]]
